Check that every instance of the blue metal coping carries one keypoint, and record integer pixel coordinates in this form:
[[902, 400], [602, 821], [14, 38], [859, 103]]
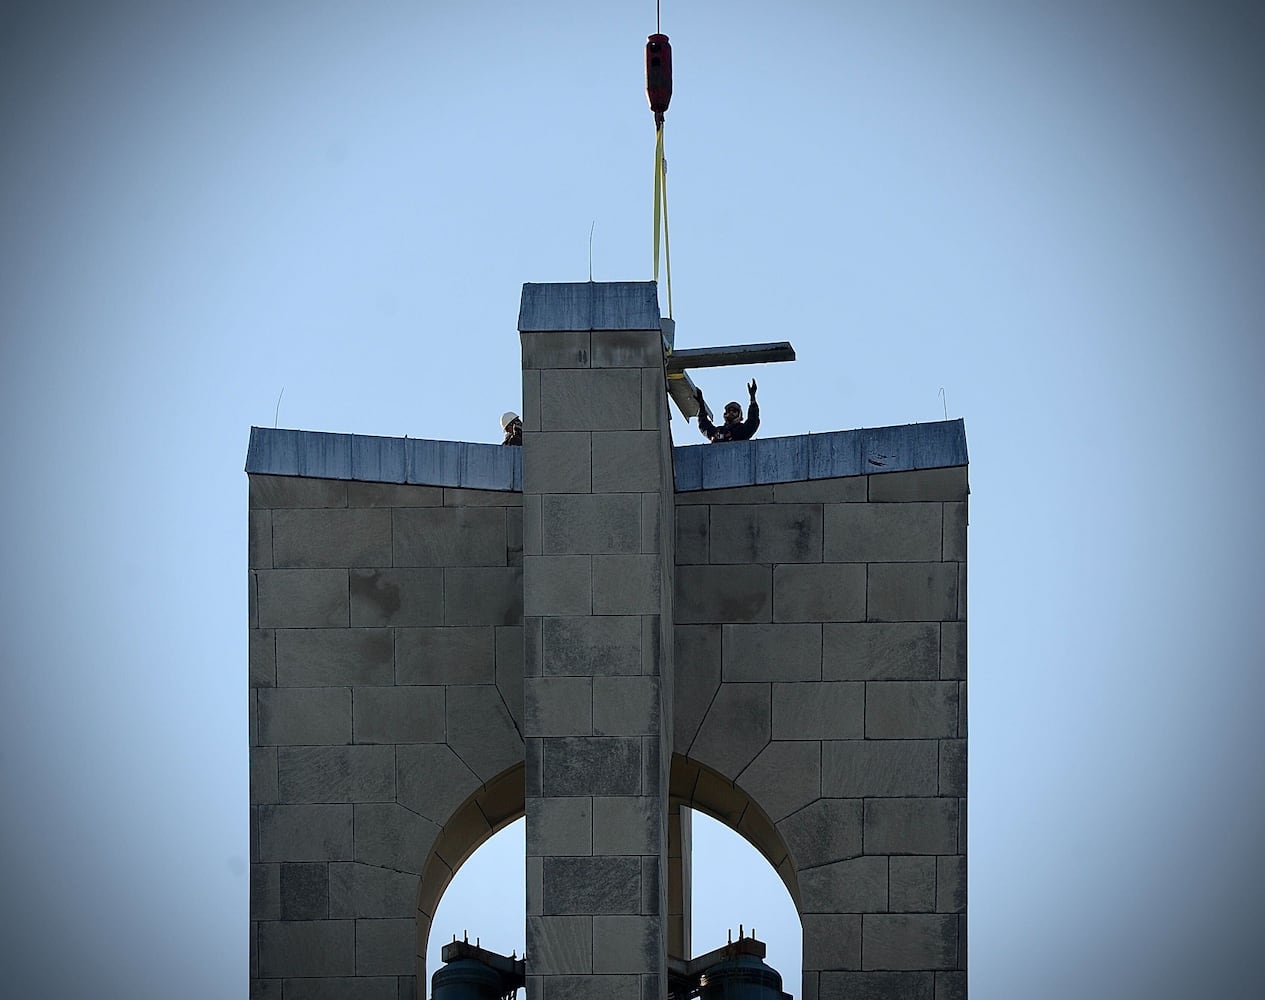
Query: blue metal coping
[[360, 457], [589, 305], [820, 456], [870, 450]]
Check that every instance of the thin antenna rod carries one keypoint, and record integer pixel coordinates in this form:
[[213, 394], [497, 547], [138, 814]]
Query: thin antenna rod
[[943, 398], [591, 228], [277, 413], [656, 17]]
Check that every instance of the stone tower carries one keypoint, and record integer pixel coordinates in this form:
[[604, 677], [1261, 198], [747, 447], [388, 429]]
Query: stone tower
[[601, 631]]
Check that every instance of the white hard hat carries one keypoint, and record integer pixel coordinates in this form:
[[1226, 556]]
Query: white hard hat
[[507, 418]]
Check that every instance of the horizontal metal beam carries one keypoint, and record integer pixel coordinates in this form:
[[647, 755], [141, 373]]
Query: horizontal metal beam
[[739, 354]]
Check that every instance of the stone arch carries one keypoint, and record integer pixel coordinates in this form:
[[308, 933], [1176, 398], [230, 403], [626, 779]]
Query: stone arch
[[491, 809], [694, 784]]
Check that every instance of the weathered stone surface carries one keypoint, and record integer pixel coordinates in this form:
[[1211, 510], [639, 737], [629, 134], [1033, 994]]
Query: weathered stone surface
[[906, 532], [398, 715], [556, 349], [302, 598], [265, 892], [735, 729], [357, 890], [734, 494], [558, 706], [336, 774], [823, 831], [913, 592], [951, 985], [433, 781], [830, 592], [390, 836], [396, 597], [447, 655], [335, 657], [696, 658], [559, 827], [626, 706], [596, 765], [832, 941], [818, 711], [304, 716], [628, 349], [955, 519], [263, 657], [858, 885], [483, 595], [910, 941], [509, 670], [259, 540], [587, 987], [304, 890], [296, 491], [913, 884], [558, 585], [263, 775], [771, 533], [770, 652], [481, 731], [305, 833], [784, 776], [627, 825], [626, 461], [306, 948], [723, 594], [626, 584], [576, 523], [394, 495], [446, 536], [875, 986], [557, 463], [693, 527], [849, 489], [560, 945], [653, 509], [952, 767], [341, 987], [953, 650], [590, 400], [923, 484], [859, 768], [911, 709], [586, 646], [911, 826], [951, 884], [315, 538], [586, 885], [386, 947], [626, 944], [880, 651]]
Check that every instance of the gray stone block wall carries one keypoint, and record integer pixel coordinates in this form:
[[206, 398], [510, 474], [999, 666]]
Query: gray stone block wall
[[386, 699], [821, 667], [597, 563]]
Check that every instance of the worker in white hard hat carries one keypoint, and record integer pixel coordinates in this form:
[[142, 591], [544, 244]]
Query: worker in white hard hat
[[512, 425]]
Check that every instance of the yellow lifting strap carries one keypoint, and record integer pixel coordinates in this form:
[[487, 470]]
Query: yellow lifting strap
[[661, 208]]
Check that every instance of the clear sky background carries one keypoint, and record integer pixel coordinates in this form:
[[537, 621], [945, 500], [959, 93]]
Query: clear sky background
[[1054, 212]]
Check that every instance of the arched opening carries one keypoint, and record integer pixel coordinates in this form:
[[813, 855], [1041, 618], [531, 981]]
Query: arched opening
[[740, 871], [485, 892]]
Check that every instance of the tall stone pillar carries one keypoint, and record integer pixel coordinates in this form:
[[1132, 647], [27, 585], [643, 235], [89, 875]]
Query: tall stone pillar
[[597, 511]]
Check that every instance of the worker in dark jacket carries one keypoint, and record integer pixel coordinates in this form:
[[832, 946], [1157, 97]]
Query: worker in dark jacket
[[512, 425], [734, 428]]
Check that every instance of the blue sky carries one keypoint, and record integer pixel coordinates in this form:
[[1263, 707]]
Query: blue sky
[[1053, 212]]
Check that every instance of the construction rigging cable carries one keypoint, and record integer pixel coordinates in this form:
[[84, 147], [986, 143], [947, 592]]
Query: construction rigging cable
[[659, 93]]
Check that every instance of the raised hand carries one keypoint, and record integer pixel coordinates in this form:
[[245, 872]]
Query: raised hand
[[751, 389]]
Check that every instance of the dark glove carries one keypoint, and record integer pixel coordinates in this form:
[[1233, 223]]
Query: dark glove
[[751, 389]]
